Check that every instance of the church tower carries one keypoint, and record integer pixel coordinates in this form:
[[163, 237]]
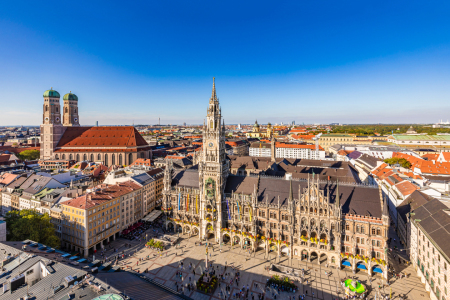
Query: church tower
[[51, 128], [70, 117], [213, 170]]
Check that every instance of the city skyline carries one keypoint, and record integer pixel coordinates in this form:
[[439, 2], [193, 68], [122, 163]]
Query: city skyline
[[387, 63]]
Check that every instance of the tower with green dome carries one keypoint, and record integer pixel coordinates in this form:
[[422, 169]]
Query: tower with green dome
[[51, 128], [70, 108]]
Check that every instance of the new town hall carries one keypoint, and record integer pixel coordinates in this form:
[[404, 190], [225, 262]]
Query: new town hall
[[341, 224]]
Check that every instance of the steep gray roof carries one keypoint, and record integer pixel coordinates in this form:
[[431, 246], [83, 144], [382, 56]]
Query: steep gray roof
[[435, 222], [186, 178], [354, 198], [414, 201]]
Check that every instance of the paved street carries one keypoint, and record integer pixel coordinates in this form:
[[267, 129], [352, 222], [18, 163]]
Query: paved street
[[163, 269]]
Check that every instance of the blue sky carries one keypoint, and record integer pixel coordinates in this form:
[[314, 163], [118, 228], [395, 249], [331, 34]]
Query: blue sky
[[277, 61]]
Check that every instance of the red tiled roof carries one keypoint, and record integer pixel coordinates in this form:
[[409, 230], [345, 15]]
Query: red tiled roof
[[234, 143], [6, 158], [7, 178], [283, 145], [430, 156], [174, 157], [303, 137], [101, 136], [142, 162], [107, 193], [406, 188]]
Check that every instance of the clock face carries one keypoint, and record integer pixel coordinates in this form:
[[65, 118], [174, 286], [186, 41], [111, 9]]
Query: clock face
[[76, 119], [57, 119], [211, 144], [46, 118]]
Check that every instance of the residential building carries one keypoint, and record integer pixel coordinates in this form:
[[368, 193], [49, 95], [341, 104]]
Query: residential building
[[238, 147], [414, 201], [430, 253], [95, 218], [284, 150], [435, 141]]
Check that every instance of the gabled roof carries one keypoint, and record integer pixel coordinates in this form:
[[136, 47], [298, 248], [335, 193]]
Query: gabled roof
[[113, 136]]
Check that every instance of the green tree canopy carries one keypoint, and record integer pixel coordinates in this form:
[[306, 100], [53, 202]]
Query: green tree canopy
[[29, 154], [29, 224], [396, 160]]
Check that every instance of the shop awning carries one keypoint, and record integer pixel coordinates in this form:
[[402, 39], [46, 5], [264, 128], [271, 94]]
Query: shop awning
[[346, 263], [378, 270], [361, 266], [152, 216]]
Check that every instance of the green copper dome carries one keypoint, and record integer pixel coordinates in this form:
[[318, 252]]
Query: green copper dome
[[70, 96], [51, 93]]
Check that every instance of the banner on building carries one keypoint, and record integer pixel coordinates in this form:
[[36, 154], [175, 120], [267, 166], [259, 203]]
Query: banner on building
[[228, 210], [187, 203]]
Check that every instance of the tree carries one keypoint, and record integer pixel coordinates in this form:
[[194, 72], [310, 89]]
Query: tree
[[29, 154], [29, 224], [396, 160]]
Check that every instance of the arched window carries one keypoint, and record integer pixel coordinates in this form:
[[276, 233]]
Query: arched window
[[106, 159], [63, 156], [99, 157], [373, 231], [357, 229], [57, 109], [84, 157], [92, 157], [46, 108], [120, 159], [71, 157], [130, 158], [56, 156], [313, 222], [78, 157], [67, 110], [378, 231], [113, 159], [142, 155], [362, 229]]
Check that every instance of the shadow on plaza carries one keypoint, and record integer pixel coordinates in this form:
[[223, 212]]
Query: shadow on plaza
[[164, 268]]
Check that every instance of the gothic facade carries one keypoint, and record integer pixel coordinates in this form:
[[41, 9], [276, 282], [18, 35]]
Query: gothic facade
[[341, 224]]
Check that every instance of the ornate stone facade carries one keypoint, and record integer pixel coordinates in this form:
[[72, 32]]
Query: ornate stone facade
[[344, 224]]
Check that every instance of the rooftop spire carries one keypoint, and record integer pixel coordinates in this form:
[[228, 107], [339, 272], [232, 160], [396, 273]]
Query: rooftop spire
[[385, 207], [213, 94], [338, 201], [291, 192]]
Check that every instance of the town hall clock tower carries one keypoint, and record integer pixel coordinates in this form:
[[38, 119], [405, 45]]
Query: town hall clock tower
[[213, 171]]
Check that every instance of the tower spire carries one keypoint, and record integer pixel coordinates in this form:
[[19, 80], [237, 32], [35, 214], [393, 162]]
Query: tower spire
[[213, 93], [338, 201], [291, 192]]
